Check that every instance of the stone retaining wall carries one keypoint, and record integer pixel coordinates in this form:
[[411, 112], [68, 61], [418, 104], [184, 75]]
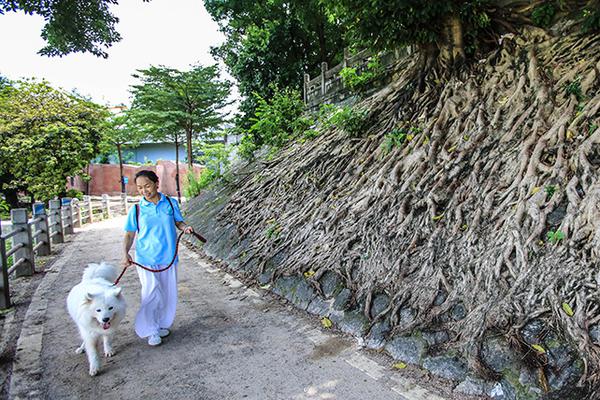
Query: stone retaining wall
[[430, 349]]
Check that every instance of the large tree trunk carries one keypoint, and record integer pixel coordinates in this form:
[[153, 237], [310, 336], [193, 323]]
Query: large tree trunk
[[12, 198], [123, 189], [177, 168]]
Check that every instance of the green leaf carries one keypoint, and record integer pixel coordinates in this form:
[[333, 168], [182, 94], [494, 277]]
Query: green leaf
[[538, 348], [567, 309]]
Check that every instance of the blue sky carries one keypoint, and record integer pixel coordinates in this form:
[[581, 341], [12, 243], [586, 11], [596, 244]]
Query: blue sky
[[174, 33]]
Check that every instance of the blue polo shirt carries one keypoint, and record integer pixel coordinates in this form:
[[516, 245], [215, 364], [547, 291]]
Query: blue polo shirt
[[156, 238]]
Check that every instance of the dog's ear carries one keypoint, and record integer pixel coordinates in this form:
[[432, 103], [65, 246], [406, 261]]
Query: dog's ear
[[89, 297], [117, 292]]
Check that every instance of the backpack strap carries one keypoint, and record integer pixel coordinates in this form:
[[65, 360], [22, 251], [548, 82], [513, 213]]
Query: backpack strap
[[171, 204], [137, 217]]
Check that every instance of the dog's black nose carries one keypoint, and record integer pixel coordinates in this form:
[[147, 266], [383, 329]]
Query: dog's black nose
[[105, 319]]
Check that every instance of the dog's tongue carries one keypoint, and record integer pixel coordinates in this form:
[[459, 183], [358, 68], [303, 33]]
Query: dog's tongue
[[105, 325]]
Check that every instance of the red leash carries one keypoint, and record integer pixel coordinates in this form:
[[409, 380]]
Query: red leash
[[198, 236]]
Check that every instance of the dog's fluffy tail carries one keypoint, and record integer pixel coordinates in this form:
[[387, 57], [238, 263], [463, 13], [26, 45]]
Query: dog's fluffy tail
[[102, 270]]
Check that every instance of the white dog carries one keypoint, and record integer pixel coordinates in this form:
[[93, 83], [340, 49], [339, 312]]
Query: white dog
[[97, 307]]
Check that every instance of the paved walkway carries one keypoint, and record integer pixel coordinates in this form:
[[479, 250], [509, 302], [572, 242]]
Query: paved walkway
[[228, 342]]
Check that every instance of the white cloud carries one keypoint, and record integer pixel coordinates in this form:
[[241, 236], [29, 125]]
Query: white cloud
[[174, 33]]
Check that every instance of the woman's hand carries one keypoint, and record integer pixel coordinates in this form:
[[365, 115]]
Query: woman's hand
[[188, 229], [127, 260]]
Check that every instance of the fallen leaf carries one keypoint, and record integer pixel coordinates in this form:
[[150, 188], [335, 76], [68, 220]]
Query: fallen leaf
[[326, 322], [438, 217], [308, 274], [399, 365], [568, 310], [535, 190], [538, 348]]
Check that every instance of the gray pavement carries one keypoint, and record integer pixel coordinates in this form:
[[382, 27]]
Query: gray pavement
[[228, 342]]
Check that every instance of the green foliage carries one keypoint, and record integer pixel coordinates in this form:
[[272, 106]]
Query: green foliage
[[550, 190], [273, 42], [71, 25], [215, 159], [574, 88], [591, 19], [4, 209], [398, 136], [387, 25], [351, 120], [74, 194], [543, 15], [46, 135], [356, 81], [169, 103], [555, 236], [277, 121], [273, 229], [195, 185]]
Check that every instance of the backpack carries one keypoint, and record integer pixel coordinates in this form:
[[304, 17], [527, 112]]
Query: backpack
[[137, 213]]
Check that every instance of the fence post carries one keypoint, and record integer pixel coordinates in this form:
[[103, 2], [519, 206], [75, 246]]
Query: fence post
[[39, 211], [77, 222], [18, 217], [323, 70], [88, 204], [124, 202], [4, 289], [346, 57], [106, 205], [56, 218], [306, 80], [67, 210]]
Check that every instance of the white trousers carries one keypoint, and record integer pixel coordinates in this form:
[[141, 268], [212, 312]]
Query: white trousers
[[159, 300]]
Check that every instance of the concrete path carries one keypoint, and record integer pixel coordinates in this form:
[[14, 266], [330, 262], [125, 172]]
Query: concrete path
[[228, 342]]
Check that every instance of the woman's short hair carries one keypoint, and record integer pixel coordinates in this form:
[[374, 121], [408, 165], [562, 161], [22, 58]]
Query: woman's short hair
[[148, 174]]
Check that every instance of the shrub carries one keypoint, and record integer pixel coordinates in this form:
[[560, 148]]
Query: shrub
[[357, 80], [215, 157], [351, 120], [75, 194]]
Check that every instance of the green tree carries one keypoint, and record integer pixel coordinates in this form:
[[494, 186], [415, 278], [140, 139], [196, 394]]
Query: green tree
[[46, 135], [118, 136], [189, 102], [71, 25], [273, 43]]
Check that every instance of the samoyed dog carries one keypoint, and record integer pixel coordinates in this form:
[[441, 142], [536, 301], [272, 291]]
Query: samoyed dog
[[97, 307]]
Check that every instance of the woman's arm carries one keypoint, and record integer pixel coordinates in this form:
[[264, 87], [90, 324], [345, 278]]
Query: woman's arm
[[127, 243], [182, 226]]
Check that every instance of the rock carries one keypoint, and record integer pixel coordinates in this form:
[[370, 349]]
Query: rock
[[303, 294], [342, 300], [532, 331], [376, 338], [330, 284], [380, 303], [434, 338], [409, 349], [319, 306], [407, 316], [497, 355], [595, 333], [354, 323], [474, 387], [265, 277], [447, 367], [440, 298], [503, 391], [286, 285], [458, 312]]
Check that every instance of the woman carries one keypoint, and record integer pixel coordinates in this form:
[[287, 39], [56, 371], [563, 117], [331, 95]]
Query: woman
[[154, 221]]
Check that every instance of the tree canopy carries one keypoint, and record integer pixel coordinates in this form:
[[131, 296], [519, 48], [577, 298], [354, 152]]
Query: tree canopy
[[187, 101], [46, 135], [272, 43], [72, 25]]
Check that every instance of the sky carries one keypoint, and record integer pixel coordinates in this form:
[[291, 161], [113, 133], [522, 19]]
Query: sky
[[174, 33]]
